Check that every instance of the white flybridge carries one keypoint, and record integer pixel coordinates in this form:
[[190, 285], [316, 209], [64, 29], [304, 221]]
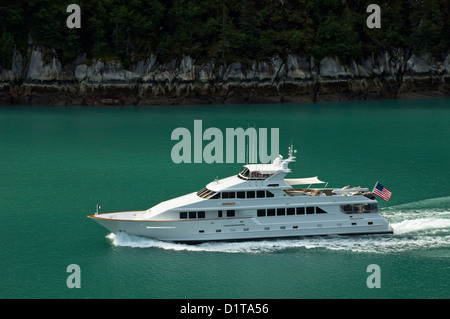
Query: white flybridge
[[257, 203]]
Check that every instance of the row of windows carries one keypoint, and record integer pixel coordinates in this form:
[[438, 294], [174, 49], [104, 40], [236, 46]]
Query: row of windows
[[246, 194], [201, 214], [192, 215], [290, 211], [359, 208], [206, 193], [260, 212]]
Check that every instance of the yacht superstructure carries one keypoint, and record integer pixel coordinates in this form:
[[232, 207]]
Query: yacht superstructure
[[257, 203]]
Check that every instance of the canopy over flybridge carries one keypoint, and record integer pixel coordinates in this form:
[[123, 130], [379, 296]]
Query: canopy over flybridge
[[264, 171], [304, 181], [278, 163]]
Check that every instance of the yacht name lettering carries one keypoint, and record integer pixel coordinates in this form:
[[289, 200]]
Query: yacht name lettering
[[189, 309], [213, 152]]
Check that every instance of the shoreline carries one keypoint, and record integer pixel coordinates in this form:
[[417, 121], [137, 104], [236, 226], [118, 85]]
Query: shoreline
[[121, 94]]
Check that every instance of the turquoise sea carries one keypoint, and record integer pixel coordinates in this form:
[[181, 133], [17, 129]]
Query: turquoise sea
[[57, 164]]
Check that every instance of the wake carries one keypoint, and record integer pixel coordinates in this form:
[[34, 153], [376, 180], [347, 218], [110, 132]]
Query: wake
[[418, 225]]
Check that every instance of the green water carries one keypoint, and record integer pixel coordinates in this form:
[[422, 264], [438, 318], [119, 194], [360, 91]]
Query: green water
[[58, 163]]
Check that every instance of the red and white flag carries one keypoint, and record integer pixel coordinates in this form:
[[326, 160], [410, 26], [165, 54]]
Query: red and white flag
[[382, 191]]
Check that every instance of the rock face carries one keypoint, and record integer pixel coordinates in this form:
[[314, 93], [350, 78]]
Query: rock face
[[40, 78]]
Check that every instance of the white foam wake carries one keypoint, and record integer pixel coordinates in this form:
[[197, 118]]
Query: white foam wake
[[421, 225]]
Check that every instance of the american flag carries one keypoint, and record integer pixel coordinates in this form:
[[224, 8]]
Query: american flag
[[382, 191]]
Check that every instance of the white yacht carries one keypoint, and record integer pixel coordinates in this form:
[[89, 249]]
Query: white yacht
[[257, 203]]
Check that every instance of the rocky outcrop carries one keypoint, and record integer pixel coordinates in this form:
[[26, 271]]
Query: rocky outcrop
[[40, 78]]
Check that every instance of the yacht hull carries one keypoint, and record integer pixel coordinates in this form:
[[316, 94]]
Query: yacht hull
[[243, 228]]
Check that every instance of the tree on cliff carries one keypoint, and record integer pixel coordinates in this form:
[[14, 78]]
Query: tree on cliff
[[224, 30]]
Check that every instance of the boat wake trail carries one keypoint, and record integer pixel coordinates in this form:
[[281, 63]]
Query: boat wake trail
[[421, 225]]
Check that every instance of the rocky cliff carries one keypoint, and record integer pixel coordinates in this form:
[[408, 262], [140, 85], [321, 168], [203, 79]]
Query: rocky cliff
[[39, 78]]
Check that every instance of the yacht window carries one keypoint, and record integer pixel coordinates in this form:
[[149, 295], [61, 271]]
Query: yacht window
[[250, 194], [219, 214], [260, 194], [271, 212], [183, 215], [192, 214], [348, 209], [243, 174], [230, 213], [290, 211], [261, 212], [360, 208], [201, 214], [357, 209], [227, 194], [281, 211], [240, 194], [269, 194], [320, 211], [257, 175], [300, 210], [217, 196], [309, 210], [207, 193]]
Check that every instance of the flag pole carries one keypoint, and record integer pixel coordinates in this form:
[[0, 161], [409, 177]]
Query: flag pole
[[374, 186]]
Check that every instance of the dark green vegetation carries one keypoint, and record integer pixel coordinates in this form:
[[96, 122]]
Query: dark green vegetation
[[224, 30]]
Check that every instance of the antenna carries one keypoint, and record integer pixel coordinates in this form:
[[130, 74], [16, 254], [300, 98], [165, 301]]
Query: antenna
[[247, 151], [255, 142], [291, 153]]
